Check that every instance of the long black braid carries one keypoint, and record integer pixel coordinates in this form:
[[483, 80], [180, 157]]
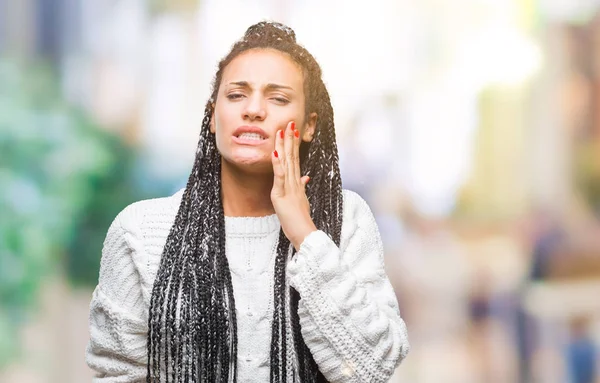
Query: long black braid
[[192, 331]]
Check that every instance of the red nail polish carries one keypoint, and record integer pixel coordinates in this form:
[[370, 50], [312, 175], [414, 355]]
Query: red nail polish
[[296, 133], [281, 133], [307, 179], [276, 154], [293, 125]]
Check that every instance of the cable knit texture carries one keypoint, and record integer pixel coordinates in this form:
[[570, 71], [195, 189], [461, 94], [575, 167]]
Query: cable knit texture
[[348, 311]]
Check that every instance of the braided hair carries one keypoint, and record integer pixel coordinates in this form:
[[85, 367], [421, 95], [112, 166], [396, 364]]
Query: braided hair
[[192, 331]]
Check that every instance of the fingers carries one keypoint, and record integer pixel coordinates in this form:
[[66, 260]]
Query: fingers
[[296, 154], [286, 157], [289, 152], [278, 160], [280, 146], [278, 171], [304, 181]]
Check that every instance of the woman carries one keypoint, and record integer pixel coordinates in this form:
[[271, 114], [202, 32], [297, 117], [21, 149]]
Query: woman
[[251, 273]]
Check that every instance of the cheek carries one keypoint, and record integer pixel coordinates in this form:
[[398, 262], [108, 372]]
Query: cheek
[[218, 132], [222, 124], [281, 117]]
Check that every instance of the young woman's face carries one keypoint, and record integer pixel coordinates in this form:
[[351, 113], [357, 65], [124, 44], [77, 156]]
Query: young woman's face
[[261, 91]]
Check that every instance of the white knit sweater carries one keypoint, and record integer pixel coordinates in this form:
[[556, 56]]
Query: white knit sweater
[[348, 311]]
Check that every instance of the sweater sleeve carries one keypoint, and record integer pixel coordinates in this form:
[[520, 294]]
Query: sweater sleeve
[[349, 315], [116, 350]]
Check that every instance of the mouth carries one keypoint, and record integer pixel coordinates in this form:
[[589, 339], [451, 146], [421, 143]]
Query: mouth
[[250, 136]]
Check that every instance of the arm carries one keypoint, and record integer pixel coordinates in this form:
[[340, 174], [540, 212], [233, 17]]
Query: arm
[[349, 315], [116, 350]]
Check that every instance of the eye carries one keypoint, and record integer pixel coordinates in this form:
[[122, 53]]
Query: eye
[[234, 96], [281, 100]]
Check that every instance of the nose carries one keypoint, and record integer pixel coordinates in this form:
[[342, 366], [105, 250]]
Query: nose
[[255, 108]]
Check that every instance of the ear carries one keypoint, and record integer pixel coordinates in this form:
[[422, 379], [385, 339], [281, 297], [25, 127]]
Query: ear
[[212, 120], [309, 127]]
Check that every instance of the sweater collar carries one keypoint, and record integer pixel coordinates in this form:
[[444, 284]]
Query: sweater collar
[[251, 225], [244, 225]]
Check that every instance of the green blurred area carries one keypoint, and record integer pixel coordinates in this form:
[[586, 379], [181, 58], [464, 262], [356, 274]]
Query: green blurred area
[[63, 181]]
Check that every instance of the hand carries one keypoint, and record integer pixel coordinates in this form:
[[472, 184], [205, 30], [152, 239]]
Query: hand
[[288, 194]]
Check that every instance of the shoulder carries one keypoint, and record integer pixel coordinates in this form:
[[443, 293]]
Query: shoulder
[[355, 206], [136, 237], [138, 215], [357, 218]]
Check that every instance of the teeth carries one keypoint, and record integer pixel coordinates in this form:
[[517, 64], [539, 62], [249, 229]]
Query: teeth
[[251, 136]]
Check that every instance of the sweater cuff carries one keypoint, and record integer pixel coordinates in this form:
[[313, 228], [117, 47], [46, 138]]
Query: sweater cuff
[[318, 257]]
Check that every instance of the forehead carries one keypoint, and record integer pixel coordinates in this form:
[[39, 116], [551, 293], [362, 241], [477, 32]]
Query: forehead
[[263, 66]]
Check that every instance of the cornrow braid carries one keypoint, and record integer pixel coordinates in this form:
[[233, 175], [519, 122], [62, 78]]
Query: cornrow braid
[[192, 325]]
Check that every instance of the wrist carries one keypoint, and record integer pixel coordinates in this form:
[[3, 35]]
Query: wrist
[[302, 234]]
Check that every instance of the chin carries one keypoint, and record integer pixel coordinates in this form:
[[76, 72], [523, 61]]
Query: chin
[[254, 164]]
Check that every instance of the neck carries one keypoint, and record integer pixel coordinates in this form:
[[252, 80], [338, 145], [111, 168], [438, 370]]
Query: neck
[[245, 194]]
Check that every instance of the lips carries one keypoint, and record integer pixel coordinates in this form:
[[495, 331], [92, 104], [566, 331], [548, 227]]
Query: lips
[[250, 129], [250, 136]]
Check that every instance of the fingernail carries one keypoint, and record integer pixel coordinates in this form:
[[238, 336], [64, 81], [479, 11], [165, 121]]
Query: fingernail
[[276, 154], [281, 133], [293, 125], [296, 133], [307, 179]]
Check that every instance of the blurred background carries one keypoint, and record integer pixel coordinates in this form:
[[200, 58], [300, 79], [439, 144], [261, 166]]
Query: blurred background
[[472, 128]]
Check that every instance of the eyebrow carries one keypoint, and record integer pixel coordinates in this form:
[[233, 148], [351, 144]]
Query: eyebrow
[[270, 86]]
